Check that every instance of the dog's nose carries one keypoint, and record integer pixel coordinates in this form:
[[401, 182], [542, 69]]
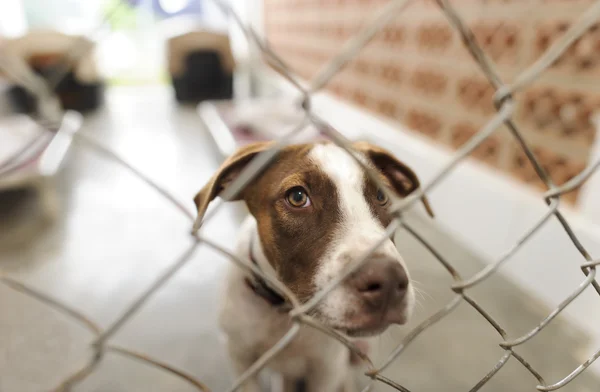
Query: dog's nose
[[380, 283]]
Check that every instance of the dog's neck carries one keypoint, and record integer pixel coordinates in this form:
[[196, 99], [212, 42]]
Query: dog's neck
[[256, 252], [257, 284]]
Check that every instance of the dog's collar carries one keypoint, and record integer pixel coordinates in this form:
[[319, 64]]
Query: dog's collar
[[260, 287]]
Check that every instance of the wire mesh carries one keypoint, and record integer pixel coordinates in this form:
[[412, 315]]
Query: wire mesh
[[504, 104]]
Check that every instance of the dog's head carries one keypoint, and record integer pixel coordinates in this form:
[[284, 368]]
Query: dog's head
[[317, 211]]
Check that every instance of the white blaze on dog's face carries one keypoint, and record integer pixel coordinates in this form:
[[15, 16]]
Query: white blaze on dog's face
[[364, 304], [317, 211]]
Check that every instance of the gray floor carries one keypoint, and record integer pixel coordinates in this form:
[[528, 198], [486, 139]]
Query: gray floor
[[114, 235]]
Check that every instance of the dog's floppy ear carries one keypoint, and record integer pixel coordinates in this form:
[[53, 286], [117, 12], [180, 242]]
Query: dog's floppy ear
[[403, 178], [228, 172]]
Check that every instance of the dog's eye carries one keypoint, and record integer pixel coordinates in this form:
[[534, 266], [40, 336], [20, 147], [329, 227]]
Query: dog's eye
[[381, 197], [298, 198]]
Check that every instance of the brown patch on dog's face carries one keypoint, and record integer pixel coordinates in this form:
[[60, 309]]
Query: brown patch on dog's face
[[396, 175], [294, 238], [378, 207]]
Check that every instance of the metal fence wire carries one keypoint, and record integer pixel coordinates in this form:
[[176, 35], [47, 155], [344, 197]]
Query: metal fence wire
[[504, 103]]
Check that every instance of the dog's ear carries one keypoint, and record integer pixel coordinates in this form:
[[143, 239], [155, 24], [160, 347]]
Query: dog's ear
[[403, 178], [228, 172]]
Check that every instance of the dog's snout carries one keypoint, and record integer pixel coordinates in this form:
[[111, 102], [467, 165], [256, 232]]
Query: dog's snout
[[381, 282]]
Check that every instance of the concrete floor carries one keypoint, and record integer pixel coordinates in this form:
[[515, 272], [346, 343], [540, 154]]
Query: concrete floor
[[114, 235]]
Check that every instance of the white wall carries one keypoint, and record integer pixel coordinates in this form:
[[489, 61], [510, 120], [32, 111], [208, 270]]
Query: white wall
[[589, 200]]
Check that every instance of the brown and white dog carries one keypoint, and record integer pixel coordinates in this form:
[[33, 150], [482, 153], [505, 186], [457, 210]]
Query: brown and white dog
[[313, 211]]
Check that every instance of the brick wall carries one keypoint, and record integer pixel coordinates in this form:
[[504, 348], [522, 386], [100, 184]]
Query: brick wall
[[417, 72]]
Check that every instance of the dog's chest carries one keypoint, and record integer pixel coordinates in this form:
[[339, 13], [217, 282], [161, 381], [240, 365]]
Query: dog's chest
[[253, 326]]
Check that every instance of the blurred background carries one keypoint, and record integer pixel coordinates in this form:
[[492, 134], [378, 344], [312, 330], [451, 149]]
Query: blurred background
[[174, 86]]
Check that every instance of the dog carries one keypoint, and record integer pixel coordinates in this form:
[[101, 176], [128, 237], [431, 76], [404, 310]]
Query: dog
[[313, 211]]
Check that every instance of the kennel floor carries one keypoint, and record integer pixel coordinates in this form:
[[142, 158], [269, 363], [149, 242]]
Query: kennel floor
[[113, 235]]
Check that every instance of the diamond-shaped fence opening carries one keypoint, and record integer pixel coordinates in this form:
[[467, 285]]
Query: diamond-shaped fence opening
[[49, 114]]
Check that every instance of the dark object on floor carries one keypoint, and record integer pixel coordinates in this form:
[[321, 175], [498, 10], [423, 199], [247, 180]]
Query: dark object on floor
[[73, 95], [204, 79], [201, 66], [81, 89]]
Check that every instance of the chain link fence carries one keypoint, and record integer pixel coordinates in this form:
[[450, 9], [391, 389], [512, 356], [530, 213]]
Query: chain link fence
[[50, 115]]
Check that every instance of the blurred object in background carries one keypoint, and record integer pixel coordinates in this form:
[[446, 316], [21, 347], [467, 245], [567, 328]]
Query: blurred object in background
[[30, 158], [235, 123], [47, 53], [201, 66]]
